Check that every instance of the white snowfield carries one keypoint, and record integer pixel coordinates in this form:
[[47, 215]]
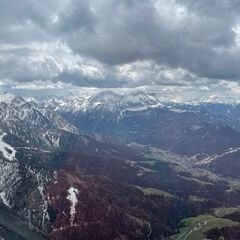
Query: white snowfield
[[7, 151], [72, 197]]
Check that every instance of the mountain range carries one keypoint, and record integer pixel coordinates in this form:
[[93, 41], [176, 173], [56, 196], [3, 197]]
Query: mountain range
[[114, 166]]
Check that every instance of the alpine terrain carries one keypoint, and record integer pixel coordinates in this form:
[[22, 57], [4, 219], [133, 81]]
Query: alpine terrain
[[118, 166]]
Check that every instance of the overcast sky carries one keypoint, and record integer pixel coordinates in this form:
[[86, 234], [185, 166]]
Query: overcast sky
[[174, 47]]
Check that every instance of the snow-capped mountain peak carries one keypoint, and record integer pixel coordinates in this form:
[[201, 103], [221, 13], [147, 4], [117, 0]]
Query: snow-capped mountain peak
[[105, 101], [140, 99]]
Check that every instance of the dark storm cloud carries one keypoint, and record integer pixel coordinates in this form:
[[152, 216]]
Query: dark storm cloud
[[112, 43], [25, 21], [77, 15], [195, 35]]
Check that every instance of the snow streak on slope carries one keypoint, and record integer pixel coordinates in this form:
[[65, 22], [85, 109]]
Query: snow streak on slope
[[7, 150], [4, 199], [217, 156], [72, 197]]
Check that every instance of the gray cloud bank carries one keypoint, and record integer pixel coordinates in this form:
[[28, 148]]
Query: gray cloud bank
[[115, 44]]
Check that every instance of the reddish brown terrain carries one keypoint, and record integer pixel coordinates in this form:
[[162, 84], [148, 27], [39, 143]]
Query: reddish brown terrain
[[105, 208]]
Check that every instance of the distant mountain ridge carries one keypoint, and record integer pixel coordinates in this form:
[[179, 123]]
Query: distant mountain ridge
[[106, 100], [135, 116], [141, 117]]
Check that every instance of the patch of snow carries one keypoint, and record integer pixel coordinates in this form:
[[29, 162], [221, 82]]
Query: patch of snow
[[196, 127], [4, 199], [56, 140], [72, 197], [150, 231], [32, 148], [55, 177], [7, 150], [52, 139], [177, 110]]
